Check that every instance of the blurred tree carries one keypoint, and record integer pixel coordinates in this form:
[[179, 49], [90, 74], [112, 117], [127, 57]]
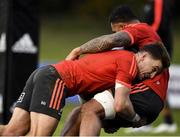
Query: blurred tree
[[101, 8], [92, 8], [98, 8]]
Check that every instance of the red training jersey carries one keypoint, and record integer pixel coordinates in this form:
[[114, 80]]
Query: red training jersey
[[142, 34], [96, 72]]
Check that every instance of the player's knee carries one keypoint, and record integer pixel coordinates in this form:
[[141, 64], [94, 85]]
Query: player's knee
[[119, 108], [85, 110]]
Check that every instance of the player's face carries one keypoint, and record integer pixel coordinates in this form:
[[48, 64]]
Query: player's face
[[117, 26], [148, 67]]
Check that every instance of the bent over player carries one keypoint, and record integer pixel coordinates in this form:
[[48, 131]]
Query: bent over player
[[132, 35], [39, 106]]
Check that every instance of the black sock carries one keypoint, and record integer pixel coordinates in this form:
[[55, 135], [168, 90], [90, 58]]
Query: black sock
[[168, 119]]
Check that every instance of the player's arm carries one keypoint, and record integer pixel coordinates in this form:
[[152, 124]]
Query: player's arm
[[102, 43], [123, 105]]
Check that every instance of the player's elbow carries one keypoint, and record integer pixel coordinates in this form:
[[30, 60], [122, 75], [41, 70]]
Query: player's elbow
[[119, 107]]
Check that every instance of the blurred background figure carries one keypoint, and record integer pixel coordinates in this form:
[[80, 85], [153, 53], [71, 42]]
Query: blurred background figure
[[158, 14]]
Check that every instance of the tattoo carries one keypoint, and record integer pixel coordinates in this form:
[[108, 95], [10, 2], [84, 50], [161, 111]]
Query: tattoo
[[106, 42]]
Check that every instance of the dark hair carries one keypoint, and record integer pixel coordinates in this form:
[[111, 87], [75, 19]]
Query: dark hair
[[122, 14], [158, 52]]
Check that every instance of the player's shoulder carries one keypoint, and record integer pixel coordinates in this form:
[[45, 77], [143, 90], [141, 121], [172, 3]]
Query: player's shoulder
[[141, 24], [124, 54], [139, 27], [122, 51]]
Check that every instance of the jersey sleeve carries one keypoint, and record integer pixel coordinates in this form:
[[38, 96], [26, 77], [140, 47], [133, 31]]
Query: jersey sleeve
[[137, 33], [159, 84], [126, 72], [132, 32]]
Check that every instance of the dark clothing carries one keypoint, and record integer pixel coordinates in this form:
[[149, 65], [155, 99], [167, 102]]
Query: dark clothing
[[44, 92], [163, 25], [147, 104]]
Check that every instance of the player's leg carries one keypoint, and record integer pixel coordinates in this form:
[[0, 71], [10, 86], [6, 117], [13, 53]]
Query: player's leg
[[90, 109], [42, 124], [72, 123], [168, 125], [168, 118], [89, 115], [47, 101], [19, 123], [100, 107]]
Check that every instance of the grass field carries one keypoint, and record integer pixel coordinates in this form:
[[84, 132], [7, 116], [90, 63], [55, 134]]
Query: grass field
[[59, 36]]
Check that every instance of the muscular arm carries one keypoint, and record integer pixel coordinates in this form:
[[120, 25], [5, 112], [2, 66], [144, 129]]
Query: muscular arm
[[102, 43], [106, 42], [122, 103]]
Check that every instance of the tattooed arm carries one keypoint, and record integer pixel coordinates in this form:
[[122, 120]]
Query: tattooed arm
[[102, 43]]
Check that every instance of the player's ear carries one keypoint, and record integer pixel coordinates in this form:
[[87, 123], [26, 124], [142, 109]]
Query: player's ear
[[143, 55]]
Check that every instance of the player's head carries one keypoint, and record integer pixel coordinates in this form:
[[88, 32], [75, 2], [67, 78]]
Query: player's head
[[152, 59], [121, 16]]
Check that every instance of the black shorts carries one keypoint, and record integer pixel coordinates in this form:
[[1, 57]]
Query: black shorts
[[147, 104], [44, 92]]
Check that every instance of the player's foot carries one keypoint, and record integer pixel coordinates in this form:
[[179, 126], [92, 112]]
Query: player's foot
[[168, 128], [143, 129]]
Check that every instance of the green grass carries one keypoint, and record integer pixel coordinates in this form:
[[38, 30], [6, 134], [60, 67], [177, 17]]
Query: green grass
[[67, 109]]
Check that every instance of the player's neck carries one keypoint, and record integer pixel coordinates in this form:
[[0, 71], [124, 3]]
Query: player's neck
[[134, 21]]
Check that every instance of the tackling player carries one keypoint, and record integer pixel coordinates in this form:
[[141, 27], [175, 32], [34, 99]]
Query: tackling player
[[133, 35], [39, 107]]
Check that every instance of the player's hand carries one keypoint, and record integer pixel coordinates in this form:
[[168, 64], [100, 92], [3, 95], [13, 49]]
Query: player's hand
[[74, 54]]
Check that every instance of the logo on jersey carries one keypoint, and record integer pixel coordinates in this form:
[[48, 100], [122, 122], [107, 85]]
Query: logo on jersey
[[43, 103], [158, 82], [24, 45], [21, 97]]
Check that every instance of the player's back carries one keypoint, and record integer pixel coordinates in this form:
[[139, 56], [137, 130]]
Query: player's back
[[94, 72]]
